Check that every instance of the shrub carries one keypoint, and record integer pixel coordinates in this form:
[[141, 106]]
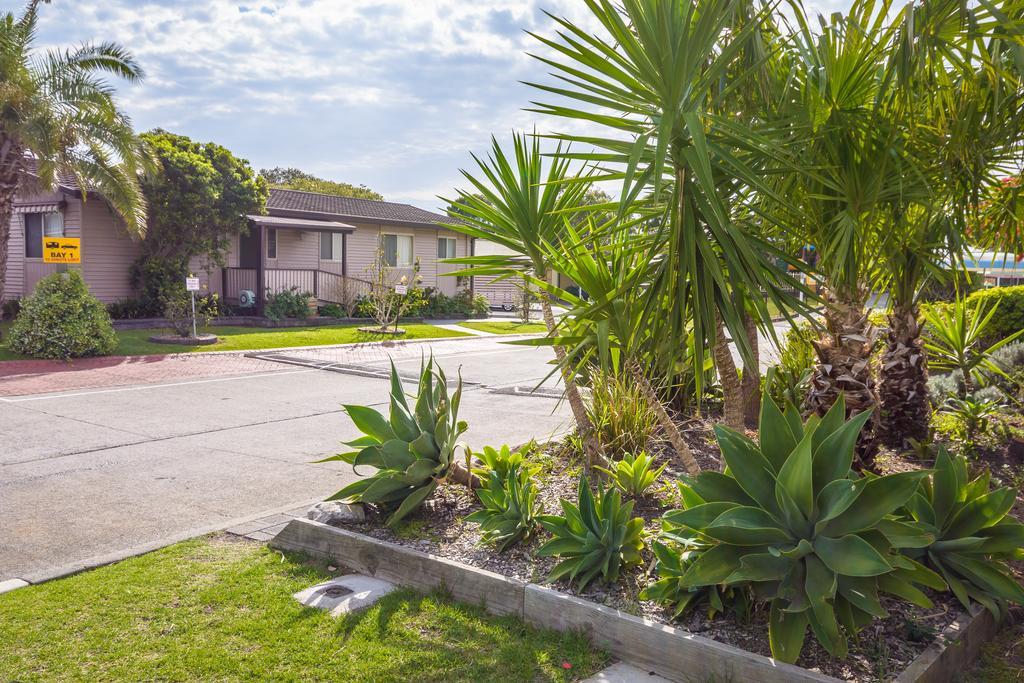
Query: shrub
[[133, 309], [62, 320], [333, 311], [1010, 318], [179, 313], [510, 504], [622, 417], [633, 475], [597, 537], [788, 520], [974, 535], [972, 415], [413, 451], [787, 381], [288, 303]]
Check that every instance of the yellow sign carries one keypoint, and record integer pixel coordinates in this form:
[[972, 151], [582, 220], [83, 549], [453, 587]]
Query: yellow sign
[[62, 250]]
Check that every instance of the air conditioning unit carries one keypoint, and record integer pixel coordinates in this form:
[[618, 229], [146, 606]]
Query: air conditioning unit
[[247, 298]]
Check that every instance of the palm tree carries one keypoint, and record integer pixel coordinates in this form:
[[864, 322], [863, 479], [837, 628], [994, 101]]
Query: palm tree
[[58, 109], [660, 79], [518, 205]]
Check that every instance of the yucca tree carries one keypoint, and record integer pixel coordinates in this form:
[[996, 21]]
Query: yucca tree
[[659, 78], [958, 102], [522, 203], [57, 108]]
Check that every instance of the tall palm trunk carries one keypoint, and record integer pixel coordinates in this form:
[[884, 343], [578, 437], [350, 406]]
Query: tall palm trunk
[[675, 437], [844, 366], [903, 389], [732, 389], [572, 393], [751, 380], [12, 162]]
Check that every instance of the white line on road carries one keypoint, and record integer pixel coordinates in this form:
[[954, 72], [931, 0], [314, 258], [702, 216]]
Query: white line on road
[[155, 386]]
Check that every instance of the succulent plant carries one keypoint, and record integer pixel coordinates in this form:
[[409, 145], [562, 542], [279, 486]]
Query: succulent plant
[[789, 520], [974, 536], [633, 475], [595, 538], [413, 451], [510, 504]]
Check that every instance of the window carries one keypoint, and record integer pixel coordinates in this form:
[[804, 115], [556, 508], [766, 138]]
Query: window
[[38, 226], [445, 247], [271, 243], [331, 246], [397, 250]]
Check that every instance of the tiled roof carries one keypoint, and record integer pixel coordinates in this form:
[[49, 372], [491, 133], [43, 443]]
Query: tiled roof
[[64, 181], [350, 207]]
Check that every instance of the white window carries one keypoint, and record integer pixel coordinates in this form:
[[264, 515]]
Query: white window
[[38, 226], [332, 246], [397, 250], [271, 243], [445, 247]]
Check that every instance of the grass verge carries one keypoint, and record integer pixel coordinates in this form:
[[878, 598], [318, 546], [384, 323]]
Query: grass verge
[[136, 342], [217, 608], [504, 326]]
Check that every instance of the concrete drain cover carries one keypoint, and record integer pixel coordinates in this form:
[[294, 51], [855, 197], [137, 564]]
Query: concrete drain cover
[[345, 594]]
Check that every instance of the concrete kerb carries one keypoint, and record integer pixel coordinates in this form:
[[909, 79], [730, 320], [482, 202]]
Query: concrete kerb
[[651, 646]]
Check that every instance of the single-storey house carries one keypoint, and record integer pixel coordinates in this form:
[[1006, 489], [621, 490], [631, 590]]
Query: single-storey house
[[324, 244]]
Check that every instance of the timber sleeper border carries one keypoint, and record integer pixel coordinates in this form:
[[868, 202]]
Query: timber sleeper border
[[666, 650]]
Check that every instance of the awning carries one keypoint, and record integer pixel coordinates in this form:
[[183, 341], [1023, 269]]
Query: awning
[[281, 223], [53, 207]]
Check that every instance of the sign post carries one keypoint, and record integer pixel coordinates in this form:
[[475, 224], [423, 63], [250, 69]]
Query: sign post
[[192, 285]]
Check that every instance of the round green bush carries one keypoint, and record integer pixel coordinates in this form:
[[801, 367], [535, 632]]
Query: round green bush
[[62, 320]]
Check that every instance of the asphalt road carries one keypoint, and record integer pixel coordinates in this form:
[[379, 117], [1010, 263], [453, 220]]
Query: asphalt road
[[87, 474]]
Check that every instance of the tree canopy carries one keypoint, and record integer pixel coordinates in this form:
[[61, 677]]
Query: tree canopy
[[294, 179]]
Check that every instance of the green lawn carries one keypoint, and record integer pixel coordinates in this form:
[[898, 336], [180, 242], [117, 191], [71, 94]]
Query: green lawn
[[221, 609], [135, 342], [504, 326]]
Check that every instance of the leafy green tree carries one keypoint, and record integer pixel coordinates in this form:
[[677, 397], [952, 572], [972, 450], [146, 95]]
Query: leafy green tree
[[198, 201], [58, 108], [294, 179]]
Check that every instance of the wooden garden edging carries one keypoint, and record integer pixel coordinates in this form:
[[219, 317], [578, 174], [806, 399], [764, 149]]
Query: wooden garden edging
[[671, 652]]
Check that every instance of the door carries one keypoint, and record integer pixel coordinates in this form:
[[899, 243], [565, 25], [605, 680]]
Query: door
[[249, 250]]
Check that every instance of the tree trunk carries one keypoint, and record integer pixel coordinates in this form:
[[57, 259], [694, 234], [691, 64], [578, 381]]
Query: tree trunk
[[903, 386], [732, 389], [572, 394], [671, 430], [460, 475], [751, 380], [12, 163], [844, 366]]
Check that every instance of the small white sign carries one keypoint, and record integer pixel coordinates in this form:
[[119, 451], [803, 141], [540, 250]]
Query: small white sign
[[401, 289], [192, 284]]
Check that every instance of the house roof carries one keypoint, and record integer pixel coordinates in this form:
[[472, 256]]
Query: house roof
[[351, 208], [65, 182]]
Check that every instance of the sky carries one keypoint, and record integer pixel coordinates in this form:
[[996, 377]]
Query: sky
[[392, 94]]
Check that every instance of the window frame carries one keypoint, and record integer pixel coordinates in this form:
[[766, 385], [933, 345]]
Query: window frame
[[44, 231], [454, 247], [397, 236], [271, 240], [337, 255]]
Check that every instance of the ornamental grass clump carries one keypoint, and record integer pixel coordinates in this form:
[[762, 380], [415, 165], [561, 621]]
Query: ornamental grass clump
[[789, 521], [413, 451], [595, 538]]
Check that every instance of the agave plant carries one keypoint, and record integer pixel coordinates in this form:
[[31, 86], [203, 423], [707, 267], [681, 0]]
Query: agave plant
[[510, 504], [413, 451], [974, 536], [633, 475], [596, 537], [673, 560], [789, 519], [502, 461]]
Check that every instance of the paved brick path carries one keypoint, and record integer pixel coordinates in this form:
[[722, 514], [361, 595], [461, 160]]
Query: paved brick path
[[24, 377]]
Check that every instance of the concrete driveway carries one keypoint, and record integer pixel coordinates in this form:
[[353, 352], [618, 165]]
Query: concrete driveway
[[94, 473]]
